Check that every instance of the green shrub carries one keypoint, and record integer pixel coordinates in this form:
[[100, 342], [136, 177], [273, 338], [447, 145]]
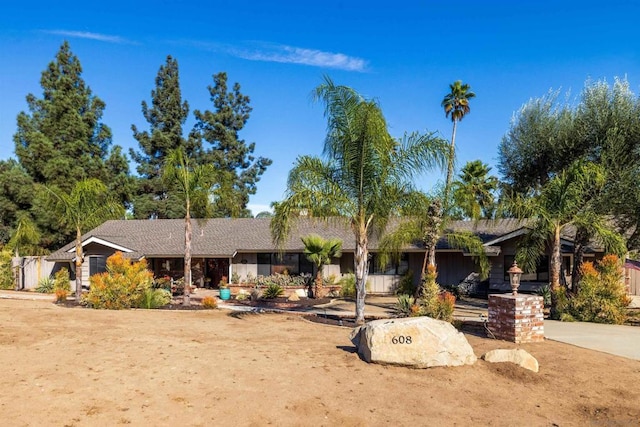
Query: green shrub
[[283, 280], [433, 302], [122, 286], [249, 279], [601, 296], [61, 280], [406, 305], [45, 285], [154, 298], [273, 290], [6, 274], [545, 293], [348, 286], [235, 277], [405, 286]]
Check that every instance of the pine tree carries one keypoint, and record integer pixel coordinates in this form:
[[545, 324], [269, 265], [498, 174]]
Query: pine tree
[[231, 156], [61, 139], [166, 117], [16, 193]]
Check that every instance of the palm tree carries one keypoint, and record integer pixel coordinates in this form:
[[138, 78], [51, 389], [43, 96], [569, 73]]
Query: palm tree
[[87, 205], [565, 200], [320, 252], [456, 104], [26, 236], [362, 179], [194, 186], [425, 221], [473, 194]]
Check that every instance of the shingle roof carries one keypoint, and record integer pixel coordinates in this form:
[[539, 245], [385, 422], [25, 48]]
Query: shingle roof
[[222, 237]]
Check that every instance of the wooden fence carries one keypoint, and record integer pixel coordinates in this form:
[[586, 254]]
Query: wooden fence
[[30, 269], [632, 276]]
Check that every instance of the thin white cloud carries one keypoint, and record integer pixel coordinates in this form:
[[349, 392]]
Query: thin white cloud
[[298, 55], [88, 35], [261, 51]]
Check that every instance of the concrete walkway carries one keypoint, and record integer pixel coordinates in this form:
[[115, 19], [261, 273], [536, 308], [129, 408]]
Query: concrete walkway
[[619, 340]]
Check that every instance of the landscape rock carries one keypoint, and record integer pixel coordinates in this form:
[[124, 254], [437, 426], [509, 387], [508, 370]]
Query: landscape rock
[[293, 297], [518, 356], [301, 293], [420, 342]]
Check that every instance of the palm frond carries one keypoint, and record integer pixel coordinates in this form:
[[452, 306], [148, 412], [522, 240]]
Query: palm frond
[[471, 243]]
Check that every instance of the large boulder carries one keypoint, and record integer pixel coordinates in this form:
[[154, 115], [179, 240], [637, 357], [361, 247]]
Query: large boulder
[[518, 356], [420, 342]]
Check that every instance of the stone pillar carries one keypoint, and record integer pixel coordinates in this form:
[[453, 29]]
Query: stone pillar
[[516, 318]]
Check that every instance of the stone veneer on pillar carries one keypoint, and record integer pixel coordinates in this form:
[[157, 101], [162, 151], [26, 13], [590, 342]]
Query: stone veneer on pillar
[[516, 318]]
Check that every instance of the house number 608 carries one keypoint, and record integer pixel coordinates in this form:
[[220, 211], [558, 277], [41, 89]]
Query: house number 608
[[401, 339]]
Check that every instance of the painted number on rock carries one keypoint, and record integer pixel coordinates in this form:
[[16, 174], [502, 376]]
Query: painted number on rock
[[401, 339]]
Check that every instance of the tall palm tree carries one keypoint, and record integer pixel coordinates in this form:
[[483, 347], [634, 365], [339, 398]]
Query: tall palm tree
[[456, 104], [362, 179], [565, 200], [194, 185], [474, 192], [87, 205], [320, 252]]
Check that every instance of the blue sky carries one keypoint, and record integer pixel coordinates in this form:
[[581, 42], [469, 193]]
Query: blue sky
[[405, 54]]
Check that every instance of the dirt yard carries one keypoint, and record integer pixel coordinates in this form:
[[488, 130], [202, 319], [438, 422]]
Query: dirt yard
[[79, 367]]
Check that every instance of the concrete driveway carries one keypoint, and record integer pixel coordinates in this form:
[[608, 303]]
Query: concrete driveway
[[619, 340]]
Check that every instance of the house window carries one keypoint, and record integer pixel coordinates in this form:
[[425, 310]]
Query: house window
[[290, 263], [264, 264], [97, 265], [391, 269], [540, 275]]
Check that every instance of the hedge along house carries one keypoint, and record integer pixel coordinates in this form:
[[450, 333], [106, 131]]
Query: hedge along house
[[222, 247]]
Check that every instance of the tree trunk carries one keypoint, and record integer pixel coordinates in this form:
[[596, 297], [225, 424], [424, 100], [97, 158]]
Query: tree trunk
[[361, 268], [78, 265], [317, 291], [556, 263], [187, 258], [556, 260], [578, 257], [452, 150]]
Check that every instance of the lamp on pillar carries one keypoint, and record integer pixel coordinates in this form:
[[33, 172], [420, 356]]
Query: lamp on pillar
[[514, 277]]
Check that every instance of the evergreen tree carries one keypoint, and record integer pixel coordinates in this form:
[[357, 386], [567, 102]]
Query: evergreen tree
[[166, 117], [61, 140], [16, 192], [230, 156]]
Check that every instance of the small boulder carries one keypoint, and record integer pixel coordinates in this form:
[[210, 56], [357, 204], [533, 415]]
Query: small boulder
[[518, 356], [293, 297], [301, 293], [420, 342]]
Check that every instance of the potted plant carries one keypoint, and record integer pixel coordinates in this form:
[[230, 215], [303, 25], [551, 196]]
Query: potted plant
[[225, 292]]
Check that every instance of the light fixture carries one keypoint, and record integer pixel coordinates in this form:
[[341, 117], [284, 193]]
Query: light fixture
[[514, 277]]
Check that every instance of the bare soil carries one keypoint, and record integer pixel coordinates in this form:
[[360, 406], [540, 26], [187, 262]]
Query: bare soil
[[71, 366]]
